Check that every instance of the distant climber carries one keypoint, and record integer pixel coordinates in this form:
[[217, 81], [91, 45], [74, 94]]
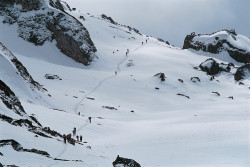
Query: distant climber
[[79, 113], [115, 72], [89, 119], [64, 138], [74, 131], [146, 41], [77, 138], [80, 138], [126, 53], [142, 43]]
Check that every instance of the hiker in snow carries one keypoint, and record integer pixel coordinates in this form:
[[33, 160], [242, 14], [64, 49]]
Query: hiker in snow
[[89, 119], [74, 131], [146, 41], [79, 113], [142, 43], [80, 138], [64, 138], [77, 138], [126, 53], [115, 72]]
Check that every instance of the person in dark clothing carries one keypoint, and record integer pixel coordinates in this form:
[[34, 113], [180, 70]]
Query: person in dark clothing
[[77, 138], [89, 119], [74, 131], [146, 41], [64, 138], [142, 43], [80, 138]]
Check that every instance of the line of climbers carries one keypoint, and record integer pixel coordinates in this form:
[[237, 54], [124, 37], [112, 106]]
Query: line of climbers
[[69, 138]]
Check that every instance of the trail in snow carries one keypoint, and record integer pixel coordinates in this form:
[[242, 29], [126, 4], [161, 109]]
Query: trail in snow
[[60, 154], [92, 91]]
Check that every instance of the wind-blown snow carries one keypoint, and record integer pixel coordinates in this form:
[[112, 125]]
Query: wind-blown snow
[[164, 129]]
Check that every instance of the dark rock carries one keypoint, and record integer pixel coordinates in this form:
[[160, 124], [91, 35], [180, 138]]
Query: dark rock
[[56, 4], [71, 140], [6, 118], [28, 5], [110, 108], [17, 147], [1, 154], [125, 162], [51, 132], [211, 67], [231, 97], [10, 100], [81, 17], [242, 72], [157, 88], [35, 120], [161, 40], [161, 76], [180, 80], [51, 76], [195, 79], [21, 69], [180, 94], [219, 44], [241, 83], [109, 19], [216, 93], [90, 98]]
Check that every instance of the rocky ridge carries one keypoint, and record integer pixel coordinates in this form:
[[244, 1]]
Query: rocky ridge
[[217, 42]]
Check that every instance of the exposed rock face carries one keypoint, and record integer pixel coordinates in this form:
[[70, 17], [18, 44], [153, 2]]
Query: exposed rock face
[[10, 100], [225, 40], [211, 67], [20, 68], [39, 23], [242, 72], [124, 162]]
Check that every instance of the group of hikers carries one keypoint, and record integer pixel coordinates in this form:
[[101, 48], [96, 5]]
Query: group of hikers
[[78, 138]]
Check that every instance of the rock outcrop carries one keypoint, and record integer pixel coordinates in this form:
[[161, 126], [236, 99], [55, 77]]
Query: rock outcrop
[[17, 147], [211, 67], [10, 100], [242, 72], [225, 40], [124, 162], [38, 23]]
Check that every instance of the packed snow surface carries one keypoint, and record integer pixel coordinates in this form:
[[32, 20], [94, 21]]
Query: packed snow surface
[[164, 129]]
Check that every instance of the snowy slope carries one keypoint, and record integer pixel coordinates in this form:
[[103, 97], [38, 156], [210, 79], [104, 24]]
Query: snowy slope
[[164, 130]]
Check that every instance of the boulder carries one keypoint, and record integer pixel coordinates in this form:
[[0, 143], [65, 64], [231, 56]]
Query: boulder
[[124, 162]]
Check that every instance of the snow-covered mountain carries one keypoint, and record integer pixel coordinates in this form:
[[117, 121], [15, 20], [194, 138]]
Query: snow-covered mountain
[[139, 97]]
